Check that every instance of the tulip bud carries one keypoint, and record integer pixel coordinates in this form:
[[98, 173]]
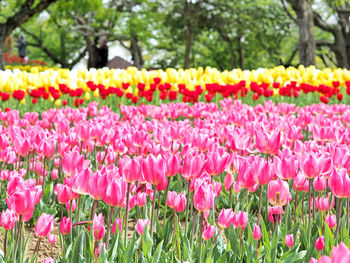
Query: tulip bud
[[257, 232], [319, 244], [289, 240]]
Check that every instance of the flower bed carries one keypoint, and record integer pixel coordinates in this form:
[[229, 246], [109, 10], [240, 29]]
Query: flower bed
[[206, 182]]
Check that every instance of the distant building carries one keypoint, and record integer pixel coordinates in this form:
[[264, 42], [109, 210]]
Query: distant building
[[118, 62]]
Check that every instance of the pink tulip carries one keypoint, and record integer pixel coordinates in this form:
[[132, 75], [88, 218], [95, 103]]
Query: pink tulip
[[268, 143], [312, 165], [51, 238], [319, 244], [257, 232], [278, 193], [245, 177], [339, 182], [300, 183], [225, 218], [49, 260], [241, 219], [331, 220], [116, 192], [65, 226], [153, 169], [286, 168], [98, 226], [44, 225], [172, 165], [64, 193], [313, 260], [216, 163], [341, 254], [320, 183], [22, 202], [130, 169], [274, 214], [289, 240], [193, 166], [229, 180], [141, 199], [72, 163], [140, 225], [323, 204], [54, 174], [203, 197], [208, 232], [47, 148], [117, 222], [98, 183], [8, 219], [80, 182], [264, 172]]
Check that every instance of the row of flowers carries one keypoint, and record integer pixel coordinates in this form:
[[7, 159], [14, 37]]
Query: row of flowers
[[204, 183]]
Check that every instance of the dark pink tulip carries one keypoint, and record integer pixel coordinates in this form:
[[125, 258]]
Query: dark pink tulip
[[245, 177], [117, 222], [320, 183], [331, 220], [116, 191], [339, 182], [268, 143], [208, 232], [47, 148], [130, 169], [98, 183], [257, 232], [44, 225], [65, 226], [300, 183], [98, 226], [278, 193], [74, 205], [8, 219], [229, 180], [162, 185], [72, 163], [275, 213], [179, 202], [54, 174], [286, 168], [264, 172], [193, 166], [141, 199], [172, 164], [225, 218], [51, 238], [217, 187], [203, 197], [153, 169], [21, 146], [22, 202], [80, 182], [216, 163], [64, 193], [289, 240], [241, 219], [140, 225], [319, 244]]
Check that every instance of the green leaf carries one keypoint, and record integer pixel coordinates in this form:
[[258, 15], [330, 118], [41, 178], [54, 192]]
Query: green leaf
[[157, 253], [78, 248], [129, 251], [274, 243], [114, 249], [147, 243]]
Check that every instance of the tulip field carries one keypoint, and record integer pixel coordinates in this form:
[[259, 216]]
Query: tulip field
[[175, 166]]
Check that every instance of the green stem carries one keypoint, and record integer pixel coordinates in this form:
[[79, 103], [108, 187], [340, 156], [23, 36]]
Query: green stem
[[152, 214], [259, 209], [127, 214], [187, 204], [111, 212], [338, 216], [166, 201], [200, 238]]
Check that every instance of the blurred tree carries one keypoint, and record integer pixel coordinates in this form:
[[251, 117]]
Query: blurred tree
[[15, 13]]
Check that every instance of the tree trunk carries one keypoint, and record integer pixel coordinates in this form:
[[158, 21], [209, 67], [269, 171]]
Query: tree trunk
[[240, 52], [189, 35], [136, 51], [232, 54], [307, 44], [2, 62]]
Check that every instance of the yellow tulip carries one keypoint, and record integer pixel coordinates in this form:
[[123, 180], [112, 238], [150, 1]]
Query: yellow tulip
[[87, 96], [57, 103]]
